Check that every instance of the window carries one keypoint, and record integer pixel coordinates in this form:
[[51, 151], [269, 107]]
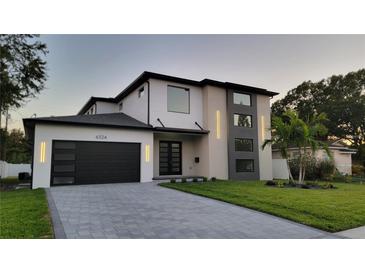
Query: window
[[242, 120], [140, 92], [178, 99], [241, 99], [243, 165], [242, 144]]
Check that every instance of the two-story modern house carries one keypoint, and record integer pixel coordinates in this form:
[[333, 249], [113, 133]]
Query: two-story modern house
[[158, 127]]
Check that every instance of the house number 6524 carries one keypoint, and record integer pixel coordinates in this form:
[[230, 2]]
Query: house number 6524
[[101, 137]]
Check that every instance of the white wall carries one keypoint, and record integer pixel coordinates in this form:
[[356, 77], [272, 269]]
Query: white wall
[[106, 107], [264, 123], [214, 151], [47, 133], [280, 169], [158, 106], [12, 170], [135, 106]]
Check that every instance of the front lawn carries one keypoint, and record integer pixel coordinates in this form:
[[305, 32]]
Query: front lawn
[[328, 209], [24, 214]]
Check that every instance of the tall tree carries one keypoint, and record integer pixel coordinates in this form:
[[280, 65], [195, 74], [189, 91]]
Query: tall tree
[[22, 70], [18, 150], [342, 98]]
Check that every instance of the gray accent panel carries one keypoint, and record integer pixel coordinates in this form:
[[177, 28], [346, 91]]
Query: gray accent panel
[[242, 132]]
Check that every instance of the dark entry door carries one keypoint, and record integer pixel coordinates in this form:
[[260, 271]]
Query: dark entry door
[[95, 162], [170, 158]]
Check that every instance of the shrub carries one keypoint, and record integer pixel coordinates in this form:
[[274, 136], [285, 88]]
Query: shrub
[[270, 183], [328, 186], [326, 170], [172, 181], [280, 184], [315, 170], [195, 180], [358, 170], [183, 180], [205, 179], [213, 179]]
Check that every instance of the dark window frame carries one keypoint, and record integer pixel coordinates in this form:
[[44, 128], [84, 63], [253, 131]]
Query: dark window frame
[[239, 138], [246, 171], [167, 103], [243, 93], [251, 126]]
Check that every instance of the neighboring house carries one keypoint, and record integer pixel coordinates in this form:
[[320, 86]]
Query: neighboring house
[[341, 154], [158, 127]]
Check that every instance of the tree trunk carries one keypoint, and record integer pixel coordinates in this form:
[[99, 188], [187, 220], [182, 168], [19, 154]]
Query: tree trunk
[[300, 166], [291, 179]]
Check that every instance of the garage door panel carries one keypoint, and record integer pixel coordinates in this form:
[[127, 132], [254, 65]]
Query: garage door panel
[[96, 162]]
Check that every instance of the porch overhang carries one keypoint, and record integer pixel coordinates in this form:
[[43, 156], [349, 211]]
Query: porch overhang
[[180, 130]]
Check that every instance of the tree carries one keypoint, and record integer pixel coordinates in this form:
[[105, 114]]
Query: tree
[[342, 98], [289, 129], [22, 70], [306, 135], [281, 138], [18, 150]]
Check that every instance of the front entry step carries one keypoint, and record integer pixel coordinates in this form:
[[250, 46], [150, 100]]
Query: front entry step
[[179, 179]]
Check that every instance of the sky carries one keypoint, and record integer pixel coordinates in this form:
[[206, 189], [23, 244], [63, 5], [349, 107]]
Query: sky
[[81, 66]]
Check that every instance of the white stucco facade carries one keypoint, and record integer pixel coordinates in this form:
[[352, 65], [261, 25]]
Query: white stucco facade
[[264, 124], [136, 106], [47, 133], [158, 106]]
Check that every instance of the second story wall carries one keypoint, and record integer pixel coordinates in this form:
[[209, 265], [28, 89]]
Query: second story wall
[[159, 106], [135, 104], [105, 107]]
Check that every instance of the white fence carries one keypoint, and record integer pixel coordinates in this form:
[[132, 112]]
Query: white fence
[[10, 170], [279, 169]]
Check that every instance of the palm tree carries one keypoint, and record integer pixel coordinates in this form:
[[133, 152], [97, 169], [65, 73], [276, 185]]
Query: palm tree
[[291, 130], [281, 137], [306, 135]]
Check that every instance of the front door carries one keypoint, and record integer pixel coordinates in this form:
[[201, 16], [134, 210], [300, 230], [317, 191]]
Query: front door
[[170, 158]]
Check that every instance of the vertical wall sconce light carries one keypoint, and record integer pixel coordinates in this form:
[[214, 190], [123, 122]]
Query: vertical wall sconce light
[[42, 157], [147, 153], [218, 123], [262, 128]]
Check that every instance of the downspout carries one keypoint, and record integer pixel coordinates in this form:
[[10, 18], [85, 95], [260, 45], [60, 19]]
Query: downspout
[[148, 102]]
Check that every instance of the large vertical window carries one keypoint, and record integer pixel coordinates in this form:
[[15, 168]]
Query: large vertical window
[[241, 99], [178, 99], [242, 144], [244, 165], [242, 120]]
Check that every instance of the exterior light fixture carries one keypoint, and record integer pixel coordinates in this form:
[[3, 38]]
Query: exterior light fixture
[[42, 158], [147, 153], [218, 124], [262, 128]]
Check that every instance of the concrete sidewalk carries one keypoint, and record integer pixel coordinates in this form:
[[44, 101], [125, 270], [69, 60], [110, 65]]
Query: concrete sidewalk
[[354, 233]]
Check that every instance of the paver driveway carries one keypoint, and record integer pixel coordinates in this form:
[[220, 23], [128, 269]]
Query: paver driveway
[[150, 211]]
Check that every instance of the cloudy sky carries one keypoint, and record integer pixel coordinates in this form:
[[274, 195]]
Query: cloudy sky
[[80, 66]]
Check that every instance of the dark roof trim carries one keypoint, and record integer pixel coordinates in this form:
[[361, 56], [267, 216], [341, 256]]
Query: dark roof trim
[[93, 100], [148, 75], [180, 130], [32, 122]]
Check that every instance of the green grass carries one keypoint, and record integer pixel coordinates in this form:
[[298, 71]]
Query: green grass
[[328, 209], [24, 214]]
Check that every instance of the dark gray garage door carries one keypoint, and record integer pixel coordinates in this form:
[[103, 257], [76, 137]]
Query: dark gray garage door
[[94, 162]]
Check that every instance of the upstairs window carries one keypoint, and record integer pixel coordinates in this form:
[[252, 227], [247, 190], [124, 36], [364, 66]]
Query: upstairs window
[[242, 120], [178, 99], [140, 92], [241, 99], [243, 144]]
